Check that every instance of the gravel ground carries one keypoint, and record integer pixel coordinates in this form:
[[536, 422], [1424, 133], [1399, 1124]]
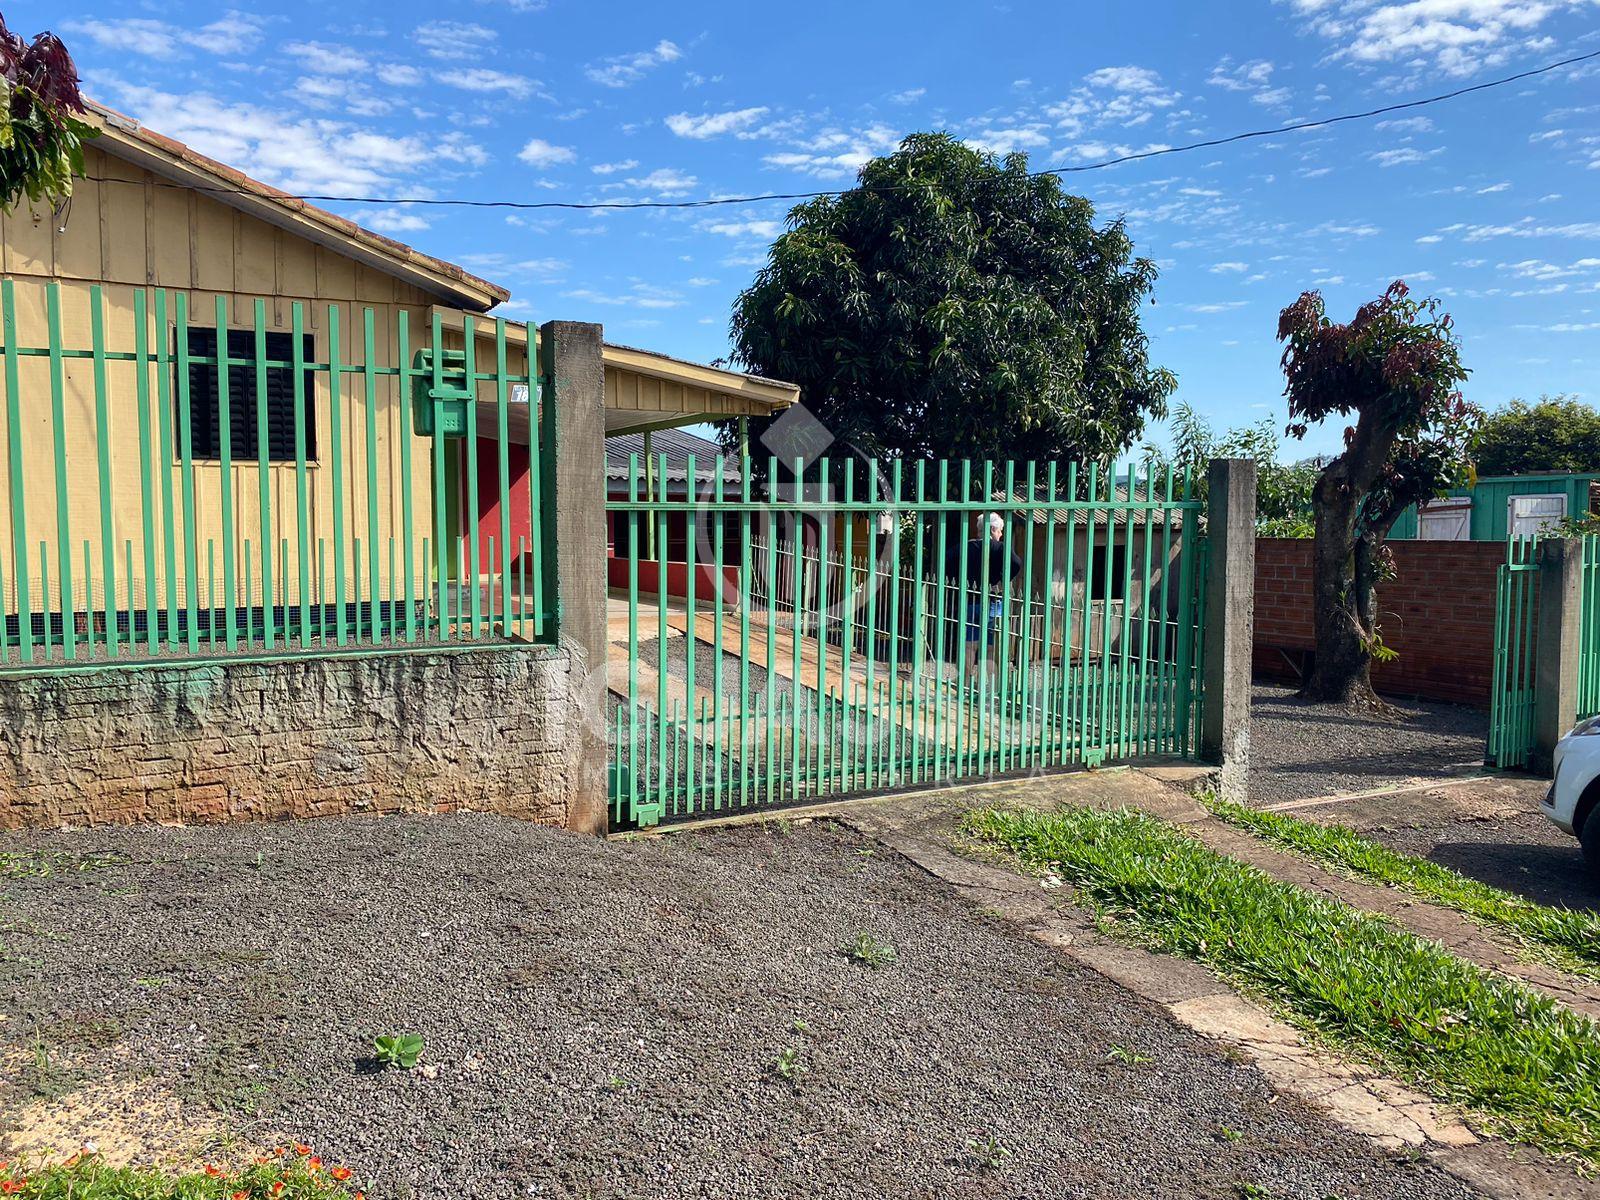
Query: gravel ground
[[1300, 750], [603, 1019]]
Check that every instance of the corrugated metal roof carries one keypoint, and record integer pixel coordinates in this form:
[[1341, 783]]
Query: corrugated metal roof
[[676, 445]]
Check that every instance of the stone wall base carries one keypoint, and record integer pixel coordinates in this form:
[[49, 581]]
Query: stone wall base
[[405, 731]]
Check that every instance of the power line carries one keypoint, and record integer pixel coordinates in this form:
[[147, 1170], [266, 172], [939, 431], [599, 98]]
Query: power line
[[766, 197]]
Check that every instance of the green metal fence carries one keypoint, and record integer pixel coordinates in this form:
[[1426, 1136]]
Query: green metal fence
[[1512, 694], [255, 476], [1516, 619], [859, 630]]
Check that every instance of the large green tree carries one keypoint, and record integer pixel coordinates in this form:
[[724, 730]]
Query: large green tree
[[41, 136], [1394, 369], [953, 305], [1557, 433]]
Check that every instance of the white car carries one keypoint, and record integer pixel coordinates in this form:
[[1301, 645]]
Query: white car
[[1573, 801]]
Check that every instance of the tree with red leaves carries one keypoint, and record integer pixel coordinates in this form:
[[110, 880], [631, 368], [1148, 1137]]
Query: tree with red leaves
[[1396, 368], [41, 137]]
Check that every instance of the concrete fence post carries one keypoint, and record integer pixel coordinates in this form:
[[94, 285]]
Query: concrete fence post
[[1230, 619], [1560, 627], [573, 463]]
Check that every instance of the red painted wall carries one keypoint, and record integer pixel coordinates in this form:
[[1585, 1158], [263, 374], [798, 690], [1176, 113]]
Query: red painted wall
[[489, 501], [1437, 614], [677, 579]]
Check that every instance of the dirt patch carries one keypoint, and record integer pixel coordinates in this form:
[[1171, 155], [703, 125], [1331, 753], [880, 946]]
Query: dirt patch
[[51, 1109]]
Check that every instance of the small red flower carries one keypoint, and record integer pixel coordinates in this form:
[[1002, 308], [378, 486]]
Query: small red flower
[[262, 1160], [12, 1185], [277, 1188], [341, 1173], [215, 1172], [302, 1149], [241, 1196], [314, 1163]]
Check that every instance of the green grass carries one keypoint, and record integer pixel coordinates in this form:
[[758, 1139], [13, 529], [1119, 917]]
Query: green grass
[[1529, 1067], [290, 1177], [1568, 939]]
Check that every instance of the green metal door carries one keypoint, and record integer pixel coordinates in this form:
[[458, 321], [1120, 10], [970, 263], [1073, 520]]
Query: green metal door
[[857, 627]]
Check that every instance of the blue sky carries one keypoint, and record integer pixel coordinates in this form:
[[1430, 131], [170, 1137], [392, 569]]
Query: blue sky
[[1492, 201]]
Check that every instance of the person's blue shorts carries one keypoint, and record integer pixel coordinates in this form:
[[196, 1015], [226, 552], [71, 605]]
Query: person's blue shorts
[[974, 608]]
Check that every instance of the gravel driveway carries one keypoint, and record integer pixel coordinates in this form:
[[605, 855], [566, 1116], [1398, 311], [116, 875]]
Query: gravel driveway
[[604, 1019], [1300, 750]]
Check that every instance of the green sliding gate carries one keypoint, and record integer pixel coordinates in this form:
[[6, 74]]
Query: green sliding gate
[[1516, 621], [780, 635]]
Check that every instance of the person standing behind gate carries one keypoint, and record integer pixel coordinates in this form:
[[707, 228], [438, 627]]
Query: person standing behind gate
[[1002, 564]]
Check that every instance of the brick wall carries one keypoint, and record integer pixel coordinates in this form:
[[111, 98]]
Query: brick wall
[[1437, 614], [435, 731]]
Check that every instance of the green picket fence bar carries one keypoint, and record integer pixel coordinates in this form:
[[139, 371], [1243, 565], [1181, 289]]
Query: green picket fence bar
[[1589, 645], [857, 628], [206, 476], [1511, 694]]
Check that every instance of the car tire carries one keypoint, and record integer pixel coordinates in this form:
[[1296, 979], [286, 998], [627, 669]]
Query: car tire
[[1589, 839]]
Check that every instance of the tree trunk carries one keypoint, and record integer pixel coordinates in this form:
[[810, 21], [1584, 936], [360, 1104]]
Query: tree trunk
[[1343, 568]]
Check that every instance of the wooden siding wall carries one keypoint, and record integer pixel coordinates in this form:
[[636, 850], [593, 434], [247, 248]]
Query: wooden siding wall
[[135, 231], [655, 399]]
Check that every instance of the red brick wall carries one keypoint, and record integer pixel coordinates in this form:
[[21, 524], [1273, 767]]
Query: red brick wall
[[1437, 614]]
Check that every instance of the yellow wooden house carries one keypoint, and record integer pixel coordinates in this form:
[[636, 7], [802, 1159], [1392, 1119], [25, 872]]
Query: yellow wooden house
[[147, 489]]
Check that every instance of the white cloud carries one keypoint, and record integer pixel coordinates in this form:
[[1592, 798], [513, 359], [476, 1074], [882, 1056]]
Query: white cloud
[[909, 96], [1527, 227], [755, 228], [1245, 77], [482, 79], [326, 58], [537, 152], [347, 95], [400, 75], [1429, 239], [710, 125], [232, 33], [399, 219], [639, 295], [1406, 125], [500, 266], [664, 181], [611, 168], [621, 70], [1457, 37], [1218, 307], [1402, 156], [298, 155], [1006, 140], [1503, 186], [454, 39], [1125, 79], [1224, 268]]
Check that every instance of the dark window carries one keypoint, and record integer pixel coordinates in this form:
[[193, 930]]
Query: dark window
[[205, 425]]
